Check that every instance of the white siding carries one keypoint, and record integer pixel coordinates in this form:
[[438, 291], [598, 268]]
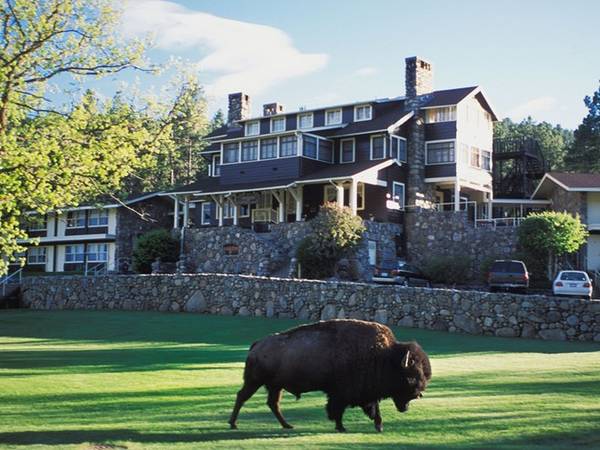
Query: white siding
[[593, 210], [593, 252]]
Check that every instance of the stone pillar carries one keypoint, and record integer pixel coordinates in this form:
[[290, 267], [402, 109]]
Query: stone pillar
[[238, 108], [457, 196], [354, 196], [176, 214], [339, 195]]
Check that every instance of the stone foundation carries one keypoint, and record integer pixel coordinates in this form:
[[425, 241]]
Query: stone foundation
[[479, 313]]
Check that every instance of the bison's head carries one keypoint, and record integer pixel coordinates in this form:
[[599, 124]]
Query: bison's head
[[412, 373]]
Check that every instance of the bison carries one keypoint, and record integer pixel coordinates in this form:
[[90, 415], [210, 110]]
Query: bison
[[356, 363]]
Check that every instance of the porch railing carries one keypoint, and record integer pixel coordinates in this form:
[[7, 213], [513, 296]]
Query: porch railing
[[264, 215], [499, 222], [14, 277], [95, 269]]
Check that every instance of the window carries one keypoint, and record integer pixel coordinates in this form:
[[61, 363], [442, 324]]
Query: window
[[97, 252], [98, 218], [216, 166], [330, 195], [288, 146], [362, 112], [347, 150], [377, 147], [74, 253], [474, 157], [252, 128], [305, 120], [486, 160], [309, 146], [37, 223], [277, 124], [440, 153], [36, 255], [76, 219], [245, 210], [325, 150], [444, 114], [228, 209], [250, 151], [398, 193], [398, 148], [231, 153], [206, 213], [268, 148], [333, 117]]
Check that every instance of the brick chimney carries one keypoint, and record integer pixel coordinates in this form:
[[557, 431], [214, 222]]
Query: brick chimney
[[270, 109], [239, 107], [418, 77]]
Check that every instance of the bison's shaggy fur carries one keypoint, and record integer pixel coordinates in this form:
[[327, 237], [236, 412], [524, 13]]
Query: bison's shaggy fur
[[355, 363]]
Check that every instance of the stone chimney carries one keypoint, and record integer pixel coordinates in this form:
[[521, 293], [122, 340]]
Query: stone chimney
[[271, 109], [418, 77], [239, 107]]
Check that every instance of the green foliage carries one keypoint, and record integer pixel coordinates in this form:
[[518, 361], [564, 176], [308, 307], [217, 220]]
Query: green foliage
[[218, 120], [454, 269], [151, 245], [549, 235], [334, 232], [553, 139], [584, 153]]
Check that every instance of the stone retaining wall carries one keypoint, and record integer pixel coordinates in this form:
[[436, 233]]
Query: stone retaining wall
[[471, 312]]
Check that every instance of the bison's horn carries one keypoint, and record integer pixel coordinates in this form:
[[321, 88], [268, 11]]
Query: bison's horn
[[405, 359]]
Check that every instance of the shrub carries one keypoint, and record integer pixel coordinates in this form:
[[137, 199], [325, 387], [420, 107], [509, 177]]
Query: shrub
[[151, 245], [549, 235], [334, 233], [453, 269]]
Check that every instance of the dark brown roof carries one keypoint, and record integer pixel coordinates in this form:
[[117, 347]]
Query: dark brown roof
[[448, 96], [342, 170], [384, 115], [577, 180]]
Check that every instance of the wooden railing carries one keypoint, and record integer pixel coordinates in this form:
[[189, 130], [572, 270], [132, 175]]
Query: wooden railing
[[264, 215]]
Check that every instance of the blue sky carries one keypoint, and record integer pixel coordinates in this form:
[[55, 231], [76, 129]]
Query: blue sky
[[531, 57]]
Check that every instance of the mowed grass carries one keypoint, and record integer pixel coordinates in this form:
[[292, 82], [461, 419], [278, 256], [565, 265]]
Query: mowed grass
[[78, 379]]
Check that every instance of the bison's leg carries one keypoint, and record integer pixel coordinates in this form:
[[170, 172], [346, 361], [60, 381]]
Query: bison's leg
[[335, 411], [273, 402], [377, 419], [371, 410], [243, 395]]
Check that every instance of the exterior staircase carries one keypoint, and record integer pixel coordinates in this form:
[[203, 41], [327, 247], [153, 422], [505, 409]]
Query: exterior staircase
[[10, 290]]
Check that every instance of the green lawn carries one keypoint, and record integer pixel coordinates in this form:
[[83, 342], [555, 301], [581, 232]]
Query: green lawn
[[150, 380]]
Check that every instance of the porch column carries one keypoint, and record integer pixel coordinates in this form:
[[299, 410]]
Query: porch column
[[186, 212], [176, 214], [489, 207], [457, 196], [233, 201], [218, 199], [299, 192], [339, 188], [354, 196], [281, 209]]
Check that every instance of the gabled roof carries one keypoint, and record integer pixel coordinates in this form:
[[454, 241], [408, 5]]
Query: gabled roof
[[448, 96], [571, 182]]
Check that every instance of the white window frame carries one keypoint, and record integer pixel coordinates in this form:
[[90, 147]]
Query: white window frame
[[434, 112], [214, 166], [97, 252], [327, 111], [228, 209], [375, 136], [249, 205], [247, 126], [202, 206], [76, 253], [260, 144], [34, 254], [78, 214], [481, 158], [36, 223], [299, 119], [399, 138], [370, 115], [402, 201], [100, 213], [427, 163], [472, 151], [353, 140], [239, 153], [277, 119]]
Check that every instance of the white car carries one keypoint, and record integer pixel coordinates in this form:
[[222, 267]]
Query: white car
[[572, 282]]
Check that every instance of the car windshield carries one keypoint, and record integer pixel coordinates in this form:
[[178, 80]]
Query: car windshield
[[508, 267], [573, 276]]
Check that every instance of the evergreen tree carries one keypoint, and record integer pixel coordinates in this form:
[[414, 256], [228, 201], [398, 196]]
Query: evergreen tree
[[218, 120], [584, 154]]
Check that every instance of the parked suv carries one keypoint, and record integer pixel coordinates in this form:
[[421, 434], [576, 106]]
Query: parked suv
[[509, 275]]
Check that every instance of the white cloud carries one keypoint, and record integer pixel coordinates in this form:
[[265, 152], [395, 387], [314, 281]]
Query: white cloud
[[366, 71], [533, 107], [243, 56]]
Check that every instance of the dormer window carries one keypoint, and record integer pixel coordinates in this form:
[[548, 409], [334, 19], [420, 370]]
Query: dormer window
[[362, 112], [305, 121], [253, 128], [333, 116], [277, 124]]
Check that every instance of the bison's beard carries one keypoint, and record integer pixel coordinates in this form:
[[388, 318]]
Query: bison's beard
[[401, 404]]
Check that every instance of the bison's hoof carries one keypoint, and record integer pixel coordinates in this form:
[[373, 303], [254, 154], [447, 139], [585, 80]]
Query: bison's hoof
[[287, 426], [379, 428], [233, 426], [341, 429]]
